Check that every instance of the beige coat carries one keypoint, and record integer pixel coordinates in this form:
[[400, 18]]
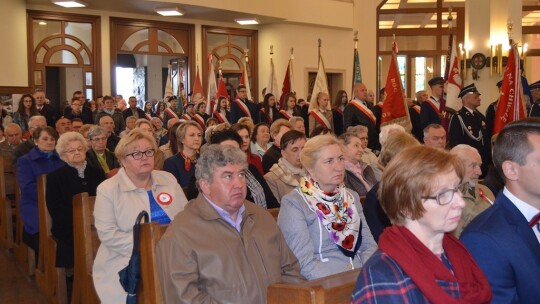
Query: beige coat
[[118, 202], [203, 259], [473, 207], [281, 179]]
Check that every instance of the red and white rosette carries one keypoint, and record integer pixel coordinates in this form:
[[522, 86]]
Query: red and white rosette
[[164, 199]]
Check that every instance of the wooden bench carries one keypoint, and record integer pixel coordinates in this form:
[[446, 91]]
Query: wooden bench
[[50, 279], [333, 289], [7, 176], [149, 291], [24, 255], [274, 212], [86, 244]]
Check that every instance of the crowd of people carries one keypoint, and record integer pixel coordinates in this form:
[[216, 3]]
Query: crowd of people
[[408, 207]]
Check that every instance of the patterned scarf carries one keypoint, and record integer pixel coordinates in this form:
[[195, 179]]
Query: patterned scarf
[[286, 172], [336, 212]]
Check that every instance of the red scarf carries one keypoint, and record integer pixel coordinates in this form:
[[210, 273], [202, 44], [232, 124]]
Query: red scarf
[[424, 267]]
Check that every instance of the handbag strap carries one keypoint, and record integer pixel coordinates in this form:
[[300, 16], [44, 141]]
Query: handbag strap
[[137, 229]]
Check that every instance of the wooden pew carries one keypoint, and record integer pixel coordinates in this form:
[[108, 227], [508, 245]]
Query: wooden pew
[[24, 255], [86, 244], [7, 176], [49, 278], [149, 291], [274, 212], [333, 289]]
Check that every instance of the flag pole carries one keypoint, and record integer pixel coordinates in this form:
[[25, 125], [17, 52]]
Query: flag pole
[[291, 73], [355, 39], [319, 49]]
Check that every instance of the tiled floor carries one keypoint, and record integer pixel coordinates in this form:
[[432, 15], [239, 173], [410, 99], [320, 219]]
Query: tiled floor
[[14, 287]]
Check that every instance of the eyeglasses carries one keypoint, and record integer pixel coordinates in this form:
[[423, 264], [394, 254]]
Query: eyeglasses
[[445, 197], [139, 154], [97, 139], [72, 151], [242, 91]]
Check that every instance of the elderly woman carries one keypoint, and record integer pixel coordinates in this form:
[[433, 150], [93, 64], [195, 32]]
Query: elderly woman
[[284, 176], [42, 159], [182, 165], [376, 218], [358, 175], [76, 176], [418, 260], [320, 113], [119, 200], [161, 132], [98, 156], [368, 156], [322, 221], [147, 127], [260, 139]]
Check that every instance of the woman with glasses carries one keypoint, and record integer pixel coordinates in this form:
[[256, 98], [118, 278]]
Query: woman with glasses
[[74, 177], [98, 156], [136, 187], [418, 260]]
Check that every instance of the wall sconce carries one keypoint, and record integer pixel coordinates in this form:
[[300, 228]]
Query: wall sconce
[[464, 53], [524, 50]]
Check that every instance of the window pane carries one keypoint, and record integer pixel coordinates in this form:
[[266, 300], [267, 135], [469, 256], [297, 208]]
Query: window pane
[[82, 31], [44, 30], [63, 57], [134, 39], [88, 79], [169, 40], [402, 67]]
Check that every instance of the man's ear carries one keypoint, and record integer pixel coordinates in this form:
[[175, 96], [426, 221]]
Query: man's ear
[[205, 186], [510, 170]]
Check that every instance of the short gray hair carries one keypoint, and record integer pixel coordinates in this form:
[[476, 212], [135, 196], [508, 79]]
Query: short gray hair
[[96, 131], [460, 149], [294, 119], [215, 156], [33, 119], [67, 138]]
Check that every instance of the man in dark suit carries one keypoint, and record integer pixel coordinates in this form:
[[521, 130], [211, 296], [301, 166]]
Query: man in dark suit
[[490, 114], [468, 126], [358, 112], [133, 110], [51, 115], [242, 107], [505, 239]]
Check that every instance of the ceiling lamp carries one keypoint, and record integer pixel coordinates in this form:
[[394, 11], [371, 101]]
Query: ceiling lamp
[[70, 3], [249, 21], [169, 11]]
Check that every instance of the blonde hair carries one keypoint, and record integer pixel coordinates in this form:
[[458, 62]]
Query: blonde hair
[[394, 144], [129, 140], [181, 132], [313, 147]]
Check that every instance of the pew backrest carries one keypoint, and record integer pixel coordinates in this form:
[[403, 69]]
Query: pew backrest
[[149, 286], [332, 289]]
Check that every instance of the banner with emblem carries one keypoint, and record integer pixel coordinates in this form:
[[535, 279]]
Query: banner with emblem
[[395, 109], [198, 93], [244, 79], [510, 106]]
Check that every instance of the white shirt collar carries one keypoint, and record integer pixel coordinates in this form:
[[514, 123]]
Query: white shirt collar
[[527, 210]]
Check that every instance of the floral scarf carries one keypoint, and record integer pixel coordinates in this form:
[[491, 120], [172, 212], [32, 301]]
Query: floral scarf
[[336, 212]]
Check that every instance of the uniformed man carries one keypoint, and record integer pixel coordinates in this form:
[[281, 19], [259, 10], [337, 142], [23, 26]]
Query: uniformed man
[[430, 112], [468, 125], [535, 92], [490, 113]]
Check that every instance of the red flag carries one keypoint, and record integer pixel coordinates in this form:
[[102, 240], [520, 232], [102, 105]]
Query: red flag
[[287, 87], [222, 88], [394, 109], [510, 106], [198, 93]]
